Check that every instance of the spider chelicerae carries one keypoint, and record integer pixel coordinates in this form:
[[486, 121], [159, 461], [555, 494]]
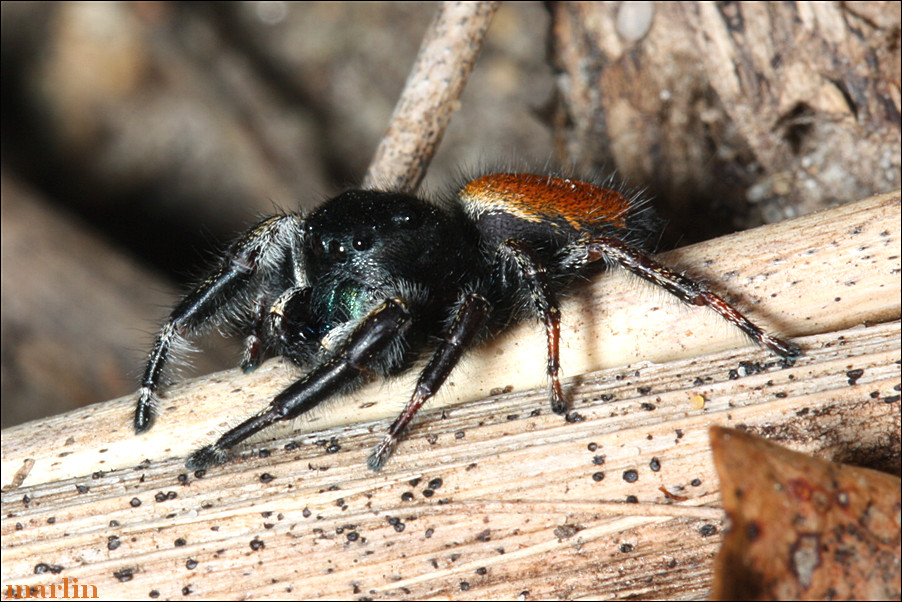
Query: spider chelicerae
[[371, 280]]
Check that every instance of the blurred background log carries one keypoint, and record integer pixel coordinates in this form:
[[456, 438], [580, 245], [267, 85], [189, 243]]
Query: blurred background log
[[165, 128], [741, 113], [72, 303]]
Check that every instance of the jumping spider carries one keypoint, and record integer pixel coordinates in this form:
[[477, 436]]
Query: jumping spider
[[367, 282]]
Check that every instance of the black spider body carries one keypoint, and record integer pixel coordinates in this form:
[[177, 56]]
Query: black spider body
[[369, 281], [364, 247]]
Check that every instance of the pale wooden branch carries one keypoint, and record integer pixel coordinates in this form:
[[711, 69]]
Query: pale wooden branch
[[429, 99], [496, 497]]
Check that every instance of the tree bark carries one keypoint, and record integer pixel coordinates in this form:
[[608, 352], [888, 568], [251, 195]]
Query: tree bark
[[732, 115]]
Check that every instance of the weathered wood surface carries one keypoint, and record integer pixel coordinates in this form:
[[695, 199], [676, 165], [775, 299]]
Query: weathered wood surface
[[527, 504], [74, 310], [498, 496]]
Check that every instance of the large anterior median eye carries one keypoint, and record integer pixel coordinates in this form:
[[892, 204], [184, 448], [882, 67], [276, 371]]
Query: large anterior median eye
[[362, 243]]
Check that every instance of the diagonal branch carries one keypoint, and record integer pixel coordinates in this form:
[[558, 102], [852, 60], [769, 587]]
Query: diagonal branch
[[495, 496]]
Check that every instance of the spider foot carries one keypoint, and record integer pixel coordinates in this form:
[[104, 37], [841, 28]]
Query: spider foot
[[206, 457], [382, 452], [785, 349], [558, 401], [144, 413]]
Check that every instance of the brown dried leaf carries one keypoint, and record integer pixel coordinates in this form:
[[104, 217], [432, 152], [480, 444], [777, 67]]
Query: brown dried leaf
[[802, 527]]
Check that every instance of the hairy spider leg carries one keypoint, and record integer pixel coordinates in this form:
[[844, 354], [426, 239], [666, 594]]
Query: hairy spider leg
[[267, 244], [372, 337], [684, 288], [277, 328], [534, 275], [254, 346], [468, 322]]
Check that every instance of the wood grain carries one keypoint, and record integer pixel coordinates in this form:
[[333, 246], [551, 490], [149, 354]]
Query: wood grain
[[760, 110], [497, 496]]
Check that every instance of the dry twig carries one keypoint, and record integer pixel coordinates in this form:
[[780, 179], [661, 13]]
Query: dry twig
[[429, 99]]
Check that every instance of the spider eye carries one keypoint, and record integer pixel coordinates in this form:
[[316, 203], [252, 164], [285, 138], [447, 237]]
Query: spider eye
[[337, 251], [362, 244]]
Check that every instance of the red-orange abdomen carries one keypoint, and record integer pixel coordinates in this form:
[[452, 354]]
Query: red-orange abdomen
[[536, 198]]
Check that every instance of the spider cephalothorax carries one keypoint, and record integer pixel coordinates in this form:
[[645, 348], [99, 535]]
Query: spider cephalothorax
[[367, 282]]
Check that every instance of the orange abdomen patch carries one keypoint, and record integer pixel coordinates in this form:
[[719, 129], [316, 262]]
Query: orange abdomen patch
[[536, 198]]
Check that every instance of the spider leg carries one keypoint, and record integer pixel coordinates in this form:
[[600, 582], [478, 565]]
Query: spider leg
[[219, 297], [536, 278], [468, 322], [372, 337], [254, 345], [285, 330], [684, 288]]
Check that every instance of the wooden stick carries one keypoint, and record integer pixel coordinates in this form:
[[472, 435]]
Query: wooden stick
[[497, 496], [429, 99], [835, 276]]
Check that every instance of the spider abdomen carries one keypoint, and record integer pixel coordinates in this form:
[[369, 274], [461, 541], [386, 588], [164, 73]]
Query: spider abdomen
[[535, 198], [550, 213]]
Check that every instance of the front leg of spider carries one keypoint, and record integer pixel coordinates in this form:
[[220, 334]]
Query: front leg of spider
[[370, 340], [468, 323], [244, 274]]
